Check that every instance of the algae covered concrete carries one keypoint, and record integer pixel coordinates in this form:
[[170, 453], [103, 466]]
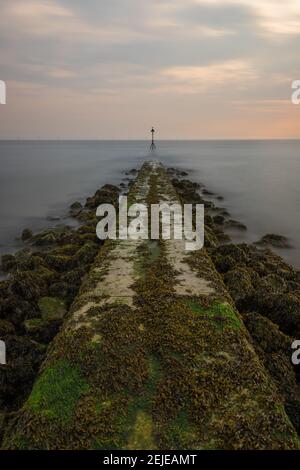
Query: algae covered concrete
[[152, 355]]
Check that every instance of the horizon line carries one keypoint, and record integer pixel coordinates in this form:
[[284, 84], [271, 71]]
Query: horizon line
[[148, 140]]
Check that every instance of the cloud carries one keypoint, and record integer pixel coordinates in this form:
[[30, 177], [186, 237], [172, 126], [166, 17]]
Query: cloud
[[201, 79], [137, 53], [274, 17]]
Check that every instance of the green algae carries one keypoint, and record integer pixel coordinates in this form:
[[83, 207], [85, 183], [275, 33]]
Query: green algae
[[33, 323], [222, 314], [181, 433], [57, 391], [140, 407], [20, 442]]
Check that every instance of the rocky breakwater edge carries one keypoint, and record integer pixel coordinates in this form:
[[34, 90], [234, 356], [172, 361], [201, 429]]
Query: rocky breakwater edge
[[162, 349], [42, 280]]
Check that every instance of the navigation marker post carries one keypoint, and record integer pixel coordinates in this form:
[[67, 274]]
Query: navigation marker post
[[152, 146]]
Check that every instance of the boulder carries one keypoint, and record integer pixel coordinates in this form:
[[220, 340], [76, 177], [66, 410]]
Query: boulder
[[132, 172], [29, 285], [274, 350], [24, 358], [219, 219], [6, 328], [108, 194], [277, 241], [235, 224], [86, 254], [52, 308], [237, 252], [8, 262], [26, 234], [238, 282], [75, 208]]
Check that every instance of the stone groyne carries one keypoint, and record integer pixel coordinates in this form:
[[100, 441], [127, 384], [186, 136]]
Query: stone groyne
[[152, 354]]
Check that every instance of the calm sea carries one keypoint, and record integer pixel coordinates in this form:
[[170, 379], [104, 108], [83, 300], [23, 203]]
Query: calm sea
[[258, 179]]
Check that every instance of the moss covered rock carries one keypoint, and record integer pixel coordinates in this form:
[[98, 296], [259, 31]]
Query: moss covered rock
[[8, 262], [274, 350], [52, 308], [239, 283], [29, 285]]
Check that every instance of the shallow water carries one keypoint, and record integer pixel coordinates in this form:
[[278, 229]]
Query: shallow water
[[258, 179]]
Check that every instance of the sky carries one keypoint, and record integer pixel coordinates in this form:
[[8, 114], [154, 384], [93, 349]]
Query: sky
[[111, 69]]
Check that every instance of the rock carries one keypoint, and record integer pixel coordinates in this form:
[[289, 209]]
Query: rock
[[274, 350], [238, 282], [237, 252], [62, 234], [88, 228], [86, 254], [15, 309], [258, 266], [45, 238], [220, 211], [285, 312], [64, 290], [53, 218], [59, 262], [273, 283], [76, 205], [235, 224], [176, 172], [33, 326], [75, 209], [3, 423], [86, 215], [222, 237], [131, 172], [6, 328], [29, 285], [65, 250], [52, 308], [8, 263], [26, 234], [277, 241], [219, 219], [68, 285], [24, 260], [210, 239], [207, 193], [225, 212], [281, 309], [24, 357], [224, 264], [42, 331], [187, 190], [108, 194]]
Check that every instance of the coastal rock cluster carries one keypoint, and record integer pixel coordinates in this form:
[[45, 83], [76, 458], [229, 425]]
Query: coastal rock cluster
[[43, 280], [153, 354], [148, 347], [265, 289]]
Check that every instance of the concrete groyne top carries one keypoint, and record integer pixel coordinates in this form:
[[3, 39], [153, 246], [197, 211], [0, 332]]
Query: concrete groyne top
[[152, 355]]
